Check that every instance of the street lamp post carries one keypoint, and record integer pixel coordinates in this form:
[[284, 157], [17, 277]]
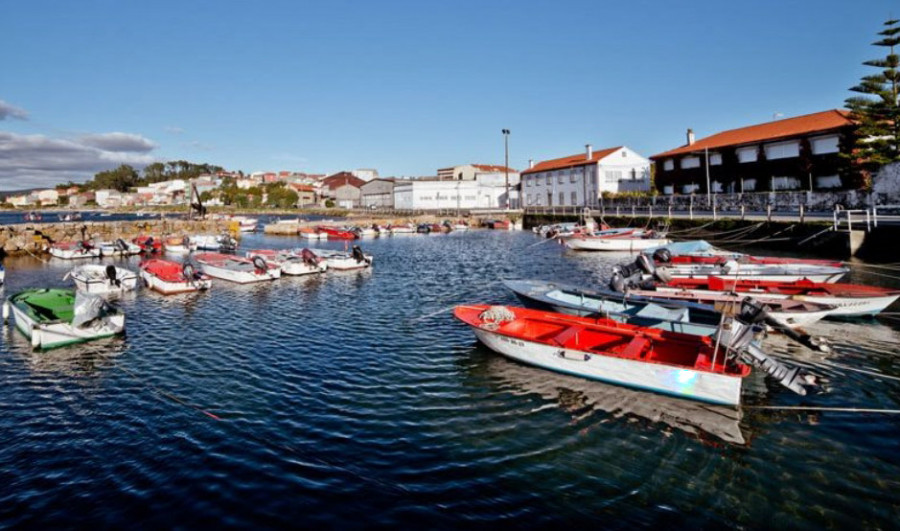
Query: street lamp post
[[506, 162]]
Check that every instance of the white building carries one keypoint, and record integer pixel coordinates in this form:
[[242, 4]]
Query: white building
[[578, 180], [47, 197], [366, 174], [108, 198], [430, 194]]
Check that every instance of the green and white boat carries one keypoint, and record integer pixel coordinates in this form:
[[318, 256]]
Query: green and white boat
[[54, 318]]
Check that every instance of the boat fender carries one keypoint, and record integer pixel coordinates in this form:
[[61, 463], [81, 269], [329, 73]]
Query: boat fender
[[112, 276], [260, 264], [662, 255], [358, 254], [617, 283], [663, 274]]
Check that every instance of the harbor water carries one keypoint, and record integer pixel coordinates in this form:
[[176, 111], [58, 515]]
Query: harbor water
[[355, 399]]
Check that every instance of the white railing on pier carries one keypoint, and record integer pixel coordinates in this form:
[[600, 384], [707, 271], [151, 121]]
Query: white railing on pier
[[844, 219]]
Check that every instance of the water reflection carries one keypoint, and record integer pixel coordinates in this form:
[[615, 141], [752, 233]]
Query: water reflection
[[581, 398]]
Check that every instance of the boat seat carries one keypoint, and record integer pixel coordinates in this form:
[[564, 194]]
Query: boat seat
[[654, 311], [635, 347], [566, 335]]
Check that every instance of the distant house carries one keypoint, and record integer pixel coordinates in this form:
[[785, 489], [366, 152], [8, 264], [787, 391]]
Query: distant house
[[48, 197], [21, 200], [108, 198], [77, 200], [472, 172], [306, 194], [377, 193], [344, 188], [802, 152], [579, 180]]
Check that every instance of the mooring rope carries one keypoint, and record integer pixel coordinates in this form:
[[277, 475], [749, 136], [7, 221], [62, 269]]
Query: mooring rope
[[692, 229]]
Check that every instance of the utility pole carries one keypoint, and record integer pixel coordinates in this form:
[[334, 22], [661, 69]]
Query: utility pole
[[708, 191], [506, 162]]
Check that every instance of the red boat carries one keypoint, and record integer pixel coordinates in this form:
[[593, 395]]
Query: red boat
[[336, 233], [850, 300], [148, 244], [721, 259]]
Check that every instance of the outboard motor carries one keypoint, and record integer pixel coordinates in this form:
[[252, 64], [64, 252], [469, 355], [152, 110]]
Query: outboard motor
[[121, 245], [663, 255], [188, 271], [112, 276], [662, 274], [358, 254], [148, 245], [641, 264], [738, 339], [260, 264], [617, 282], [310, 257]]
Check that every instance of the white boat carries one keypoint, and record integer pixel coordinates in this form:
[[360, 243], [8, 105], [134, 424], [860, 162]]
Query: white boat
[[100, 279], [2, 274], [177, 245], [236, 268], [402, 229], [118, 248], [367, 232], [213, 242], [246, 224], [297, 262], [617, 240], [169, 277], [74, 250], [53, 318], [731, 270], [344, 261]]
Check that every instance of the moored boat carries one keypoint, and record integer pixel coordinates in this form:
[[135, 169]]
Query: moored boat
[[100, 279], [169, 277], [616, 240], [118, 248], [68, 250], [687, 366], [344, 261], [148, 244], [312, 233], [54, 318], [296, 262], [731, 269], [213, 242], [335, 233], [177, 244], [703, 252], [236, 269], [848, 300], [403, 228]]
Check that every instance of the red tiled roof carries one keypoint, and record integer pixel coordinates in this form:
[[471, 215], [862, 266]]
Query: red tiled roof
[[492, 168], [571, 161], [302, 187], [788, 127], [343, 178]]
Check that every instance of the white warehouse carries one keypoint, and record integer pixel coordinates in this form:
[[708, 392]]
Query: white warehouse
[[578, 180], [428, 194]]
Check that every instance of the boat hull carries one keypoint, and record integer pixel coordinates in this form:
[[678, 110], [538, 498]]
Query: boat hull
[[60, 334], [93, 279], [675, 381], [614, 244], [74, 254], [173, 288]]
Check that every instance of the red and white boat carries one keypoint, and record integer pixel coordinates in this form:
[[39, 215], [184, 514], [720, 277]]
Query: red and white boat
[[404, 228], [849, 300], [703, 252], [311, 233], [335, 233], [617, 240], [169, 277], [682, 365], [236, 268], [74, 250], [296, 262], [177, 245], [733, 270]]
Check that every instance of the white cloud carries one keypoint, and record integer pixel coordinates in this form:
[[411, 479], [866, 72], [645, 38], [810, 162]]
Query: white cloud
[[118, 142], [11, 111], [28, 161]]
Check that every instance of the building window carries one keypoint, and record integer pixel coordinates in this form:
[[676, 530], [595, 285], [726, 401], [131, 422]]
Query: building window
[[562, 198], [669, 165], [549, 177], [690, 162], [825, 144], [746, 154], [613, 176], [559, 177], [572, 175], [782, 150], [715, 159], [574, 198]]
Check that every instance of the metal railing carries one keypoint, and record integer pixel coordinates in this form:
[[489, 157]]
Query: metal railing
[[843, 219]]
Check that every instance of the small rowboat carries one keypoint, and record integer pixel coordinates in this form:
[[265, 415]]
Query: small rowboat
[[685, 318], [297, 262], [617, 240], [213, 242], [103, 279], [345, 261], [237, 269], [703, 252], [177, 245], [765, 272], [335, 233], [849, 300], [310, 233], [682, 365], [74, 250], [407, 228], [148, 244], [169, 277], [118, 248], [54, 318]]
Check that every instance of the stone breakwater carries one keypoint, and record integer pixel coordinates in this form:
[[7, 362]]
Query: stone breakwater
[[36, 238]]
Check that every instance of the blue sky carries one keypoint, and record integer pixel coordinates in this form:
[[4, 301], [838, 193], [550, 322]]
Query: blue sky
[[405, 87]]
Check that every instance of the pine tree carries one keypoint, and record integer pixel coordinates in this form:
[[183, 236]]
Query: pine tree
[[877, 111]]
